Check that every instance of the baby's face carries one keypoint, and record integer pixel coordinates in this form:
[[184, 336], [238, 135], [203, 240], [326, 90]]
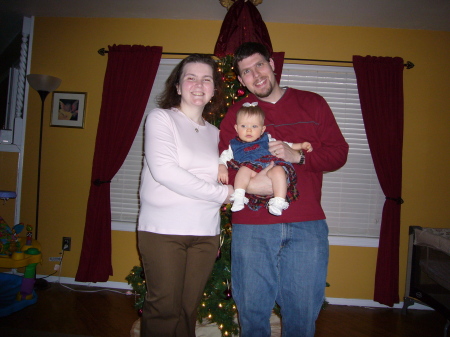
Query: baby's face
[[249, 128]]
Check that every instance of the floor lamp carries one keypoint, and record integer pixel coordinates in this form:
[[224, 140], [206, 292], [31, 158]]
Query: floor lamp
[[43, 84]]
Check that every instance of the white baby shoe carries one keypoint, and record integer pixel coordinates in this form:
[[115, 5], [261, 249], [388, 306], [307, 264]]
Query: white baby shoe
[[239, 200], [277, 205]]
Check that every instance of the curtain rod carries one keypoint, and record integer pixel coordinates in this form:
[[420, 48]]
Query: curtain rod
[[407, 65]]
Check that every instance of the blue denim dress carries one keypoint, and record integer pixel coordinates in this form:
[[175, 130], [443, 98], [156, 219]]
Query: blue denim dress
[[256, 156]]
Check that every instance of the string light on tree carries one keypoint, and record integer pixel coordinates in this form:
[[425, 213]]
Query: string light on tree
[[233, 90]]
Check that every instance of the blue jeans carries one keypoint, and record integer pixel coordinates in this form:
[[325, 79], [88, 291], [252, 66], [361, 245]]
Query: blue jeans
[[284, 263]]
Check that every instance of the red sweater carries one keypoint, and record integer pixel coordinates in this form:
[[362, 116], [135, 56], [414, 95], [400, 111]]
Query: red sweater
[[299, 116]]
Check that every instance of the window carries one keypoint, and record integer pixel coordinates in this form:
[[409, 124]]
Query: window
[[351, 197], [8, 98], [125, 185]]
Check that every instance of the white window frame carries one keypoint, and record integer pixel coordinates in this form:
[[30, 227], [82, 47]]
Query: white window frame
[[338, 86], [18, 106]]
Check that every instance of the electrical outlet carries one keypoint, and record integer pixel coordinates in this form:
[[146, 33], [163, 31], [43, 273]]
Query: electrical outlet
[[66, 243], [54, 259]]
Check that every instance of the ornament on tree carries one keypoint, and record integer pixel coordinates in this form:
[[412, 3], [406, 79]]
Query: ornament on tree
[[240, 92], [230, 76], [227, 294], [219, 252]]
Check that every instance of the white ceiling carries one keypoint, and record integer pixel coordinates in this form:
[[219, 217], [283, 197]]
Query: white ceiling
[[407, 14]]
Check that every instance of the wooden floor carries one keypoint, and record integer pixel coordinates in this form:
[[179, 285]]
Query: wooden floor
[[62, 312]]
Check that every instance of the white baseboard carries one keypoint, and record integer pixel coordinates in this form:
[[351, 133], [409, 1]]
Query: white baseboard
[[371, 304], [71, 280], [331, 300]]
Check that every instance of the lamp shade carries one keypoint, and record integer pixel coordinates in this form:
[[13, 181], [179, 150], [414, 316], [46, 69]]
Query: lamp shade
[[43, 82]]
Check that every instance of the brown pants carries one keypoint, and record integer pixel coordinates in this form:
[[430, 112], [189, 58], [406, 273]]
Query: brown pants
[[176, 268]]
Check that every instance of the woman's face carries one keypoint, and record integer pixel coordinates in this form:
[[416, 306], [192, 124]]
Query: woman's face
[[196, 85]]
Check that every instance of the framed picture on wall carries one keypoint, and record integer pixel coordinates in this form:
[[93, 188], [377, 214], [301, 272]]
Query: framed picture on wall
[[68, 109]]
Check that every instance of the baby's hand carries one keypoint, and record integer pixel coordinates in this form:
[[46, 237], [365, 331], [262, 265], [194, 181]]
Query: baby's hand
[[223, 174], [307, 147], [223, 179]]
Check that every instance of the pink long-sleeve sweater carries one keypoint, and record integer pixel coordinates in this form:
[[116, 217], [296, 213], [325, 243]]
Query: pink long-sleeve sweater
[[179, 192]]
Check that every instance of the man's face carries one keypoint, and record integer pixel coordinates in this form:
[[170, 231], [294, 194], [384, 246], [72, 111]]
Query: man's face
[[257, 75]]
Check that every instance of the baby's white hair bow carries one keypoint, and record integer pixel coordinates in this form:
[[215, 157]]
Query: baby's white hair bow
[[247, 104]]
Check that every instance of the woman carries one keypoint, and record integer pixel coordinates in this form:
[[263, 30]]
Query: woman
[[179, 220]]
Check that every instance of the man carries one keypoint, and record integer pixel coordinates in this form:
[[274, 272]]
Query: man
[[283, 259]]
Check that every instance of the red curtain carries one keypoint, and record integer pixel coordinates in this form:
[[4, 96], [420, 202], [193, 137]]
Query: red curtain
[[242, 23], [278, 60], [380, 87], [129, 78]]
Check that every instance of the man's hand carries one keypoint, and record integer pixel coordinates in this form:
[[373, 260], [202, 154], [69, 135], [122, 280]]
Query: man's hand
[[282, 150], [261, 183]]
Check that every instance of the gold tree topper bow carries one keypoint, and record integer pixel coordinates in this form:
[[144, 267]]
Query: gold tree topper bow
[[228, 3]]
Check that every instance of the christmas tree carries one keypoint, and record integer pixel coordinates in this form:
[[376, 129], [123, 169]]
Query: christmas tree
[[217, 304], [233, 89]]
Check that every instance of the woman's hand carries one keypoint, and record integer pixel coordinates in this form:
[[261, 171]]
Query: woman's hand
[[230, 192]]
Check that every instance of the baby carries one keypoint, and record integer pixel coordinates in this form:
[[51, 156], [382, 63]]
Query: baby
[[249, 153]]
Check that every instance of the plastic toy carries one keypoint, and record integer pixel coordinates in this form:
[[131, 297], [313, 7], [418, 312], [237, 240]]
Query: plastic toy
[[17, 291]]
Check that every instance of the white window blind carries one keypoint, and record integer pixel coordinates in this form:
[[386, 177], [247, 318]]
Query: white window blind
[[351, 197], [125, 185]]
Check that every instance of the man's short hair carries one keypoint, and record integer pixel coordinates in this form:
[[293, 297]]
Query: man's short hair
[[248, 49]]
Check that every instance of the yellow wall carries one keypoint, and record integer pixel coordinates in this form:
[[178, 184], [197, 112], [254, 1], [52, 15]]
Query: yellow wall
[[8, 180], [67, 48]]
